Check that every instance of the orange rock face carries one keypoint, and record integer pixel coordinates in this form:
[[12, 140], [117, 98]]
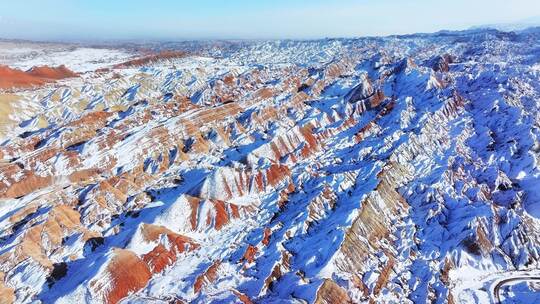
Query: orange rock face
[[7, 294], [37, 76], [30, 182], [266, 236], [128, 273], [330, 293], [249, 255], [208, 277], [164, 255], [242, 297], [57, 73], [11, 78]]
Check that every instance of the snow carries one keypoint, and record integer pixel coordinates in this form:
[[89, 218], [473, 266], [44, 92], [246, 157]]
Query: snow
[[77, 59], [444, 171]]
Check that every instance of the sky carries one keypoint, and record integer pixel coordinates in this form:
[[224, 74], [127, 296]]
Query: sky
[[248, 19]]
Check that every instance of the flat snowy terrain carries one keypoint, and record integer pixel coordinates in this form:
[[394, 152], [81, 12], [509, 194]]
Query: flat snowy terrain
[[78, 59]]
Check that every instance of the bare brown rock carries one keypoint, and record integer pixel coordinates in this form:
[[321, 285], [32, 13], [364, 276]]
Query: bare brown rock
[[37, 76], [151, 58], [208, 277], [330, 293], [126, 273], [7, 294]]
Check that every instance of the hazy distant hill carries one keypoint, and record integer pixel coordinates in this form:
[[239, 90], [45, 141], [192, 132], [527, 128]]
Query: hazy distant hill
[[514, 26]]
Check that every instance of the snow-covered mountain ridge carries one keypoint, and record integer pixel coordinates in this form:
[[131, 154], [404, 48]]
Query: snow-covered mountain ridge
[[393, 170]]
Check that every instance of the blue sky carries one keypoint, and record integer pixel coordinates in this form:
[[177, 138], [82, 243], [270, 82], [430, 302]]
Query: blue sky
[[203, 19]]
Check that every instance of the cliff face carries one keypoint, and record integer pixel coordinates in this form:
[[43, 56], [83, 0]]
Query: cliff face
[[338, 171]]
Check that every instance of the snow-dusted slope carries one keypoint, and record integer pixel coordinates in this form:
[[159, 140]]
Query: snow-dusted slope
[[398, 170]]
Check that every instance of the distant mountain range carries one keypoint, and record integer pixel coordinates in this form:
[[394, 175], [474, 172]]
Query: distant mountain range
[[514, 26]]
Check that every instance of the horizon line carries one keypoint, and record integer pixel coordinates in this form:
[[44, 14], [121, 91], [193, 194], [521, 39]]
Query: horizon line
[[239, 39]]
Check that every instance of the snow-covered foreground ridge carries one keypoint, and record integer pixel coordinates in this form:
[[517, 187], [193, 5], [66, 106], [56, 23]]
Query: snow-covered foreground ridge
[[386, 170]]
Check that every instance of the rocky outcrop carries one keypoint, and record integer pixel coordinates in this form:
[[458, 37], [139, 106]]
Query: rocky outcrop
[[207, 277], [330, 292], [166, 251], [362, 91], [7, 294], [150, 59], [36, 76], [42, 235], [124, 274]]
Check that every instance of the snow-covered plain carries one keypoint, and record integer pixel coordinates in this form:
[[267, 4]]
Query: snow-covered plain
[[79, 59]]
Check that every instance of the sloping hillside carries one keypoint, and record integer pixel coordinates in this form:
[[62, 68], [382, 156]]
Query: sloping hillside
[[376, 170]]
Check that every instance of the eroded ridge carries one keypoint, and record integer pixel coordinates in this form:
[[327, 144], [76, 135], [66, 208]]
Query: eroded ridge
[[400, 169]]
